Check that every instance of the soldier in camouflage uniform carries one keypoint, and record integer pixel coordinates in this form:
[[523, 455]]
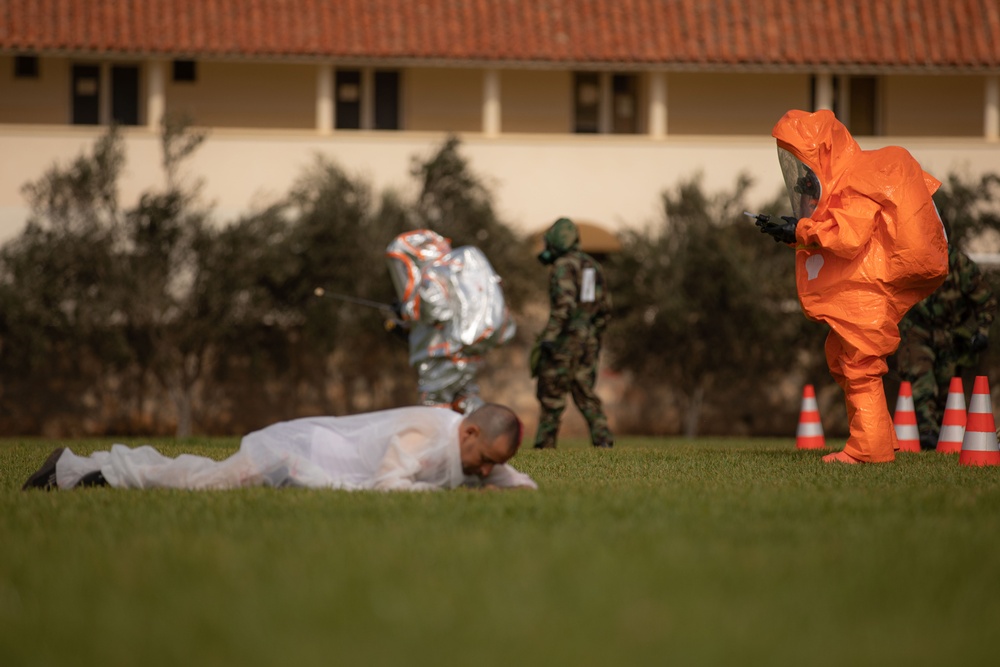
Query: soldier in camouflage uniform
[[565, 357], [942, 336]]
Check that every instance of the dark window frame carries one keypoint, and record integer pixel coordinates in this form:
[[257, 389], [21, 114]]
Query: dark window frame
[[126, 82], [185, 71], [26, 67], [864, 117], [347, 95], [386, 99], [85, 106], [586, 113], [624, 86]]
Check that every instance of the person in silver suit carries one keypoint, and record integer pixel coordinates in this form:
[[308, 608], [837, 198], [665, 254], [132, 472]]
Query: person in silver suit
[[452, 303]]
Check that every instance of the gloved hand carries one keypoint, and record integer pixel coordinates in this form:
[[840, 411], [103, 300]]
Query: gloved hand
[[979, 342], [783, 233]]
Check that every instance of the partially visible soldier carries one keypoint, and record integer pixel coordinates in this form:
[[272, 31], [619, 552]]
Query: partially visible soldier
[[942, 336], [565, 357]]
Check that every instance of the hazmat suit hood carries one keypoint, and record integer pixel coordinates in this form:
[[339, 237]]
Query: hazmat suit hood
[[406, 256], [819, 141], [562, 237]]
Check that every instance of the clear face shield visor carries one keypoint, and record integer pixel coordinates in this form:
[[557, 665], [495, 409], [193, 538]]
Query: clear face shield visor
[[804, 190]]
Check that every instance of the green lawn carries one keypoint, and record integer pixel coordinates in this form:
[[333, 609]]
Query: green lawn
[[661, 551]]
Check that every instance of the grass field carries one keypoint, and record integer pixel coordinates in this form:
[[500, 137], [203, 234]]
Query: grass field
[[661, 551]]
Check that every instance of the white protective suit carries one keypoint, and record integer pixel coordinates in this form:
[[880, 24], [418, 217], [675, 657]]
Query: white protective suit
[[405, 449]]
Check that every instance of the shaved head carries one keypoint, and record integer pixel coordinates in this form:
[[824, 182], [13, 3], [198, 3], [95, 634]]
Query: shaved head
[[498, 421]]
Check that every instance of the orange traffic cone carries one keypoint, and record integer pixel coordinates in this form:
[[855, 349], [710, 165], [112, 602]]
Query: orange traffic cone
[[979, 446], [905, 420], [953, 424], [809, 434]]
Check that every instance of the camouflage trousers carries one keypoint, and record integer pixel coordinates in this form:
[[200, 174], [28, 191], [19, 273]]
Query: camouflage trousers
[[570, 369], [929, 371]]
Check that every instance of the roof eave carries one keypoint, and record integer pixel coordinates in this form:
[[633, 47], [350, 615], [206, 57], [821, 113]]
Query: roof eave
[[403, 61]]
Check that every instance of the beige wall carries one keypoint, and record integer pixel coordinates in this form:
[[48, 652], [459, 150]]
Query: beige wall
[[947, 106], [443, 100], [43, 100], [721, 104], [536, 101], [263, 95], [614, 181]]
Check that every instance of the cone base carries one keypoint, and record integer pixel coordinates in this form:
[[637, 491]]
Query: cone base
[[909, 445], [974, 458], [949, 447]]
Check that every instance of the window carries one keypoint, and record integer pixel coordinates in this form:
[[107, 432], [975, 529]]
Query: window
[[25, 67], [624, 104], [855, 103], [125, 94], [87, 90], [350, 94], [587, 102], [86, 82], [185, 71], [347, 99], [862, 118], [595, 111], [386, 100]]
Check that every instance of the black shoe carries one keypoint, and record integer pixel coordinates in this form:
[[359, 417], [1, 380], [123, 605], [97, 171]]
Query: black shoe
[[928, 443], [604, 444], [92, 479], [45, 477]]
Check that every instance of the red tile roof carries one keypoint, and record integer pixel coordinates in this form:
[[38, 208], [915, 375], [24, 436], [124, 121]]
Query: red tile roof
[[958, 35]]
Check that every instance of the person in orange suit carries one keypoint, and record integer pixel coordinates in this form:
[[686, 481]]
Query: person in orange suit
[[869, 244]]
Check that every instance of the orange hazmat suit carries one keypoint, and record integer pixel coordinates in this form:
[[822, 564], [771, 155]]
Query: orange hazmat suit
[[868, 246]]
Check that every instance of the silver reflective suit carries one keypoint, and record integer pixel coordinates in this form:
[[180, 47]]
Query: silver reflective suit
[[454, 304]]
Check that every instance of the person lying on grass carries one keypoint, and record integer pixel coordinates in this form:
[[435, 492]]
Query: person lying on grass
[[405, 449]]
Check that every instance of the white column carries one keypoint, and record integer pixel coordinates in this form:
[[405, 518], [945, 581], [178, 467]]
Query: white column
[[491, 102], [367, 98], [657, 105], [156, 100], [824, 91], [992, 110], [324, 99], [604, 111]]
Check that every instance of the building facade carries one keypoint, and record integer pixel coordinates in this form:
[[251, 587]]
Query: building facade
[[585, 108]]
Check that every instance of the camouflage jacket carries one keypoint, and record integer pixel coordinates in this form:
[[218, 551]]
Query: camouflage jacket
[[579, 298], [961, 307]]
